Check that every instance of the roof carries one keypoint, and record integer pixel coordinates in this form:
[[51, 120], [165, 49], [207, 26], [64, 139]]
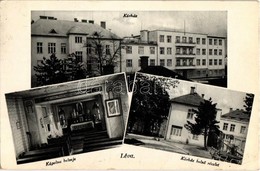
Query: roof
[[162, 71], [238, 115], [44, 27], [189, 99]]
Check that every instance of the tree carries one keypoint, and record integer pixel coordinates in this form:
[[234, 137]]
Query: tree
[[205, 120], [150, 103], [248, 103], [103, 52], [50, 71], [75, 69]]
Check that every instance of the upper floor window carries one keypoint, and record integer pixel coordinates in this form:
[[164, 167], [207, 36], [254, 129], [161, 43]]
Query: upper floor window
[[210, 41], [51, 47], [190, 40], [243, 130], [198, 62], [184, 39], [215, 52], [63, 48], [169, 51], [78, 39], [225, 126], [210, 51], [191, 51], [129, 63], [203, 61], [203, 41], [169, 39], [89, 48], [169, 62], [140, 50], [220, 52], [232, 128], [178, 51], [198, 40], [203, 51], [162, 62], [107, 50], [215, 62], [152, 62], [215, 42], [178, 62], [210, 61], [79, 57], [161, 38], [39, 47], [152, 50], [161, 50], [178, 39], [190, 114], [129, 49], [220, 62], [198, 51], [220, 42]]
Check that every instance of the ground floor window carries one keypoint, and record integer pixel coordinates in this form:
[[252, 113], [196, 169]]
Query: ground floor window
[[195, 137], [176, 130]]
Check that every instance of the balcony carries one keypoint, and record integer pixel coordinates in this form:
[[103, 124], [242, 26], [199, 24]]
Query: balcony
[[185, 43], [185, 66], [185, 55]]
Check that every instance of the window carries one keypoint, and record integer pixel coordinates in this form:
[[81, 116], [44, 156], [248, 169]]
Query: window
[[162, 62], [169, 62], [191, 62], [161, 50], [152, 62], [215, 42], [195, 137], [232, 128], [39, 47], [203, 41], [129, 63], [220, 61], [220, 42], [190, 114], [176, 130], [203, 61], [169, 39], [184, 51], [178, 51], [161, 38], [198, 40], [140, 50], [198, 62], [51, 47], [178, 62], [220, 52], [63, 48], [89, 48], [107, 50], [203, 51], [79, 56], [215, 52], [78, 39], [215, 62], [210, 41], [191, 51], [152, 50], [178, 39], [210, 51], [169, 51], [184, 62], [210, 62], [190, 40], [198, 51], [243, 130], [129, 49], [184, 39]]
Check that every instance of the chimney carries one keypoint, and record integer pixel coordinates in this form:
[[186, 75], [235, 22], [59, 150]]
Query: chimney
[[50, 18], [103, 24], [84, 21], [202, 95], [144, 35], [76, 20], [192, 90], [91, 21], [230, 109], [43, 17], [144, 62]]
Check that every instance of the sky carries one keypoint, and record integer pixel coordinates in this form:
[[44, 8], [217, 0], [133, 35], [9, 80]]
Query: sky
[[208, 22], [224, 98]]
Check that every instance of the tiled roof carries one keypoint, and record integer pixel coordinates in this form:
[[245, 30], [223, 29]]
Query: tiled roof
[[238, 115], [162, 71], [189, 99], [63, 28]]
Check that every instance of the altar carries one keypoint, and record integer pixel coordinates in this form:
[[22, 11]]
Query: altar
[[82, 125]]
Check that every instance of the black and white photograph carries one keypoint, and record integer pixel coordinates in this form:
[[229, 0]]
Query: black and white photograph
[[69, 118], [68, 45], [189, 118]]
